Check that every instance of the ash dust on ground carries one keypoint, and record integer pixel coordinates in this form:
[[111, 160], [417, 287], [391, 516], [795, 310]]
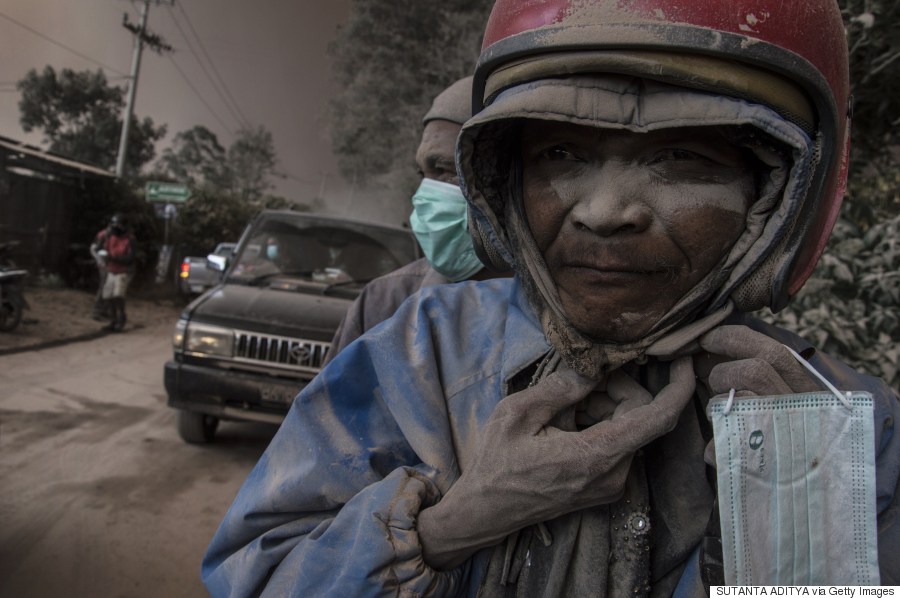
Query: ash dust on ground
[[56, 315], [98, 494]]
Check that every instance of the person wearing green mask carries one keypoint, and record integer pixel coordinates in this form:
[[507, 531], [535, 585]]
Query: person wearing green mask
[[439, 221]]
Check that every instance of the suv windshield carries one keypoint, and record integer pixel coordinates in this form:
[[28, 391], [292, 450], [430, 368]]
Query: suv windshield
[[327, 251]]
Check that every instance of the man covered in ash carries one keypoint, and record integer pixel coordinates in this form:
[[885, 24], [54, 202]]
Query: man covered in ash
[[609, 421]]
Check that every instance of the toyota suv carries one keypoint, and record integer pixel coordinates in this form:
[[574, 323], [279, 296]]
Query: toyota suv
[[245, 348]]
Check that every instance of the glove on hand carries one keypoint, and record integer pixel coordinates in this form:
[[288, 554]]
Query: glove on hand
[[525, 470], [753, 364]]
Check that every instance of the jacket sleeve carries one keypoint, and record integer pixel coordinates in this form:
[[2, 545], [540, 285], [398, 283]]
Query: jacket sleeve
[[378, 301], [350, 328], [330, 509]]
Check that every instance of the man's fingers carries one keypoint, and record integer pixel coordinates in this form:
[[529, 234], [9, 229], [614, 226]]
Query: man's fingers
[[638, 426], [626, 391], [534, 407], [740, 342], [754, 375]]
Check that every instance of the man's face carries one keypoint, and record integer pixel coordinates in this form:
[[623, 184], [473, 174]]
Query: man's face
[[628, 223], [436, 156]]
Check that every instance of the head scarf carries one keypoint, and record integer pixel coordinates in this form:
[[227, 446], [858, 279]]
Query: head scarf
[[488, 165]]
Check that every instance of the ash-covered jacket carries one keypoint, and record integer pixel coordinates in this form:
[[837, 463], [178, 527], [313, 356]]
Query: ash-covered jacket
[[387, 427], [381, 298]]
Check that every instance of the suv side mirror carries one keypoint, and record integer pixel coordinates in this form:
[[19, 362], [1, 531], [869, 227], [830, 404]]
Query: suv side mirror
[[216, 262]]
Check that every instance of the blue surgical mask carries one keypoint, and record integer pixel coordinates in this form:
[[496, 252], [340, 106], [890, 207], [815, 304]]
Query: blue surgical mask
[[796, 483], [439, 222], [272, 252]]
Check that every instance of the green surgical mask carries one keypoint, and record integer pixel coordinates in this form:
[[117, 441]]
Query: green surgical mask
[[439, 223]]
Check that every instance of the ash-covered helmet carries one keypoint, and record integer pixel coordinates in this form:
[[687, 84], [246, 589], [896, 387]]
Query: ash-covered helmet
[[788, 56]]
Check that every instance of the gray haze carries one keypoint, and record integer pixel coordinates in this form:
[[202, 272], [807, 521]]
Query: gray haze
[[271, 55]]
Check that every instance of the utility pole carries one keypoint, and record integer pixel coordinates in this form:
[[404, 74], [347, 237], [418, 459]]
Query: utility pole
[[156, 43]]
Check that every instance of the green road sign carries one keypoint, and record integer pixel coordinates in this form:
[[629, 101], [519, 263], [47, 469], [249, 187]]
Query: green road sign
[[170, 192]]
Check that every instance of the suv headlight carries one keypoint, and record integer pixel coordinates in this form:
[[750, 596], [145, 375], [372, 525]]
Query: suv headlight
[[178, 337], [208, 340]]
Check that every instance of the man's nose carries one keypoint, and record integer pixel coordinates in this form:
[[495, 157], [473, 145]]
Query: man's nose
[[611, 204]]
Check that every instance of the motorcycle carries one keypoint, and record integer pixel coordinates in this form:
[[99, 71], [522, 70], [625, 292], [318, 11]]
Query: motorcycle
[[12, 299]]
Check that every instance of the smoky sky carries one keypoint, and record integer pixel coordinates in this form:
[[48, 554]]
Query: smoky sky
[[263, 63]]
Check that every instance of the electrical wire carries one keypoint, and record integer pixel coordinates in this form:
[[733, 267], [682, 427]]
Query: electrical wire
[[221, 88], [187, 19], [190, 47], [200, 96], [60, 44], [227, 96]]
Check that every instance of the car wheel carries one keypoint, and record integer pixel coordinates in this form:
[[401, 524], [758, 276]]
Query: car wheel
[[196, 428]]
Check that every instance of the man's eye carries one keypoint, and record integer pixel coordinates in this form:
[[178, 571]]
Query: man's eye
[[677, 155], [559, 152]]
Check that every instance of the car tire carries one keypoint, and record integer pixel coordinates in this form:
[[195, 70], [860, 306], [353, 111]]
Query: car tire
[[196, 428]]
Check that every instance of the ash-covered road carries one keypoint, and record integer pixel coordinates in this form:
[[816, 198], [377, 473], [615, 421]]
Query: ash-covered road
[[98, 495]]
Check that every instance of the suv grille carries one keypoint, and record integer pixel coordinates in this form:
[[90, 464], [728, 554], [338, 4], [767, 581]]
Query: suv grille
[[280, 351]]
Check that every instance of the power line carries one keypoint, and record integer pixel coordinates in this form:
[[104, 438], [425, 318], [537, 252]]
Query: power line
[[199, 96], [60, 44], [204, 69], [243, 119]]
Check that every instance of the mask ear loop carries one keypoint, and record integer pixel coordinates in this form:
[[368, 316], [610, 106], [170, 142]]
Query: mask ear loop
[[730, 402], [845, 399]]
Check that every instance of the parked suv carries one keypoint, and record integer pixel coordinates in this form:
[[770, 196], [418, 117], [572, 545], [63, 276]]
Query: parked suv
[[245, 348]]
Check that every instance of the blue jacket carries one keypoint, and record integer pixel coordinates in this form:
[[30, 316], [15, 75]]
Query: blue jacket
[[387, 427]]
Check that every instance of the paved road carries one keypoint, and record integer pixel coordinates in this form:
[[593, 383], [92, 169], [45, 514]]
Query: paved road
[[98, 495]]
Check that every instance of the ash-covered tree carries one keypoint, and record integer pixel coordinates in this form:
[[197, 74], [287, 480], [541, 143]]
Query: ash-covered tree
[[873, 37], [251, 163], [243, 171], [229, 185], [196, 158], [390, 60], [80, 116]]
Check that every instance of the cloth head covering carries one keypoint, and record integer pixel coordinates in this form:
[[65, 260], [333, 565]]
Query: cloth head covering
[[487, 160], [453, 104]]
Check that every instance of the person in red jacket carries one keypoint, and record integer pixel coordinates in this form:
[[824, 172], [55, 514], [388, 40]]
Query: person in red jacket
[[114, 249]]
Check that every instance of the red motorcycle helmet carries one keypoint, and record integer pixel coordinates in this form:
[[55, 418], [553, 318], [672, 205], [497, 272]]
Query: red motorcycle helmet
[[789, 56]]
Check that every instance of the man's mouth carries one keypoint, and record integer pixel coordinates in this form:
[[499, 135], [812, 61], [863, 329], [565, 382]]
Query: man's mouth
[[614, 267], [607, 275]]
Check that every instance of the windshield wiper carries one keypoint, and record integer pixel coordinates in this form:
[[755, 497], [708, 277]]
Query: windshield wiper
[[264, 277], [345, 283]]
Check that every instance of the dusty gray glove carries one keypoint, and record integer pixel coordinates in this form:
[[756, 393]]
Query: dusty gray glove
[[526, 471], [751, 363]]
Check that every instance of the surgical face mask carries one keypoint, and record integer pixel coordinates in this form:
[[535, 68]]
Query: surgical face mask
[[439, 223], [796, 484], [272, 252]]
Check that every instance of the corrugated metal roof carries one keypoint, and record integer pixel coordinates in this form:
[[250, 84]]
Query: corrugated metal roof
[[21, 148]]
